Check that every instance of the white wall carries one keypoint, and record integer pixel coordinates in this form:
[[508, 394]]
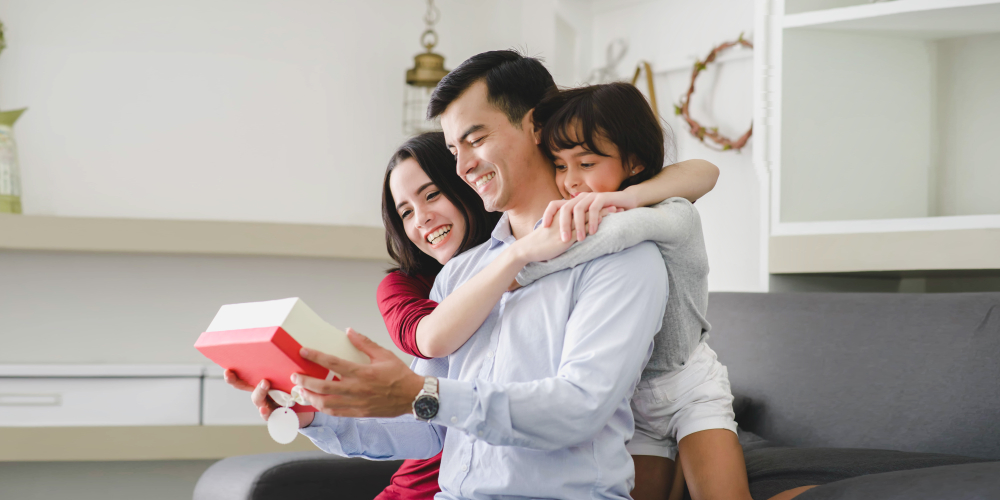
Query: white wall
[[230, 110], [856, 126], [118, 308], [968, 106], [671, 34]]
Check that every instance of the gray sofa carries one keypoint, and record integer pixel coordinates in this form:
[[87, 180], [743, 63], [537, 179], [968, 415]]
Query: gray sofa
[[869, 395]]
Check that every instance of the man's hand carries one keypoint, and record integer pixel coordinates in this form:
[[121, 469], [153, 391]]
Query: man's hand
[[384, 388], [260, 399]]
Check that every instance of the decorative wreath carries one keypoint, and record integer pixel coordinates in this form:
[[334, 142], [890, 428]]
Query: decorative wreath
[[722, 143]]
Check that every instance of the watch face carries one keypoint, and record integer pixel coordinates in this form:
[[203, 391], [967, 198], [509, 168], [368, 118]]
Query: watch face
[[425, 407]]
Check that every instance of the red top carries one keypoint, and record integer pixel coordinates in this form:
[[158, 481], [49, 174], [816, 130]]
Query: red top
[[403, 301]]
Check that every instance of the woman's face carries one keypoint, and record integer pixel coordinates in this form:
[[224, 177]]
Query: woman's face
[[432, 222]]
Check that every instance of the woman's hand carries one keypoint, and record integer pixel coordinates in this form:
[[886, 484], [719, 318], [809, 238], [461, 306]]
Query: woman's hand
[[541, 244], [260, 399], [583, 213]]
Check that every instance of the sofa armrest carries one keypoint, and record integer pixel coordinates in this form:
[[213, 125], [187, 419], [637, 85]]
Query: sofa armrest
[[279, 476]]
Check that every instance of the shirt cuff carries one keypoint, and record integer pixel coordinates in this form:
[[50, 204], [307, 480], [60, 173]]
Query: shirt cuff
[[320, 421], [455, 403]]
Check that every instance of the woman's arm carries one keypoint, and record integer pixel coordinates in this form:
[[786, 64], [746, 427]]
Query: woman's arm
[[402, 300], [458, 316]]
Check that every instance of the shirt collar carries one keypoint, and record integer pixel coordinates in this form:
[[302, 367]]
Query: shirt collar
[[501, 233]]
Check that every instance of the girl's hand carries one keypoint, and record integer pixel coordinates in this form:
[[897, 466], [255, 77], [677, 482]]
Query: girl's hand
[[583, 213], [260, 399]]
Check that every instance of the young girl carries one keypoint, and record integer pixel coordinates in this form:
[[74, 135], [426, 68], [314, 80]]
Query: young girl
[[607, 147]]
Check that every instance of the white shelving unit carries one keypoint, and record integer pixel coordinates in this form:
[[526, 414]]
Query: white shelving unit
[[127, 412], [89, 234], [874, 126]]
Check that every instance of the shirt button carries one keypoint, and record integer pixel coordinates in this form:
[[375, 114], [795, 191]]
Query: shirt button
[[465, 468], [454, 420], [489, 354]]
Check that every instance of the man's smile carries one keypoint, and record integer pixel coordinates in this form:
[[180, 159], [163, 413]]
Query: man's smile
[[481, 182]]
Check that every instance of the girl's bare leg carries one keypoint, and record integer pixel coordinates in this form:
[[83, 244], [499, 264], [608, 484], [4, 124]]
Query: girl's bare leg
[[792, 493], [713, 465], [657, 478]]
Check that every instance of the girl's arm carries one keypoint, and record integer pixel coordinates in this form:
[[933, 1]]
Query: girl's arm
[[668, 223], [690, 179], [458, 316], [444, 330]]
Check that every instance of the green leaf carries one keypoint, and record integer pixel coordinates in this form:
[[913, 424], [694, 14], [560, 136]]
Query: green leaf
[[727, 147], [677, 109]]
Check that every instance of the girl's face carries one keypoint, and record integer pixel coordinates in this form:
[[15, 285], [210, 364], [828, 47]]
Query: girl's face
[[432, 222], [580, 170]]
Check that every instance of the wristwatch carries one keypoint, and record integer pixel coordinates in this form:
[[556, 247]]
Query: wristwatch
[[425, 407]]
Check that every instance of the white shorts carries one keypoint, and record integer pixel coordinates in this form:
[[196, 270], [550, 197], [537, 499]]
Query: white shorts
[[672, 406]]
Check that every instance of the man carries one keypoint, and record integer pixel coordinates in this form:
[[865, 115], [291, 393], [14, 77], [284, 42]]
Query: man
[[536, 403]]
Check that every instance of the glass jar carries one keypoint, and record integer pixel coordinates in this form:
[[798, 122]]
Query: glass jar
[[10, 174]]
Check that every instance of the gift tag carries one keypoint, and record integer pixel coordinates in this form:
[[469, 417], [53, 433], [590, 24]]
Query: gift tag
[[283, 425]]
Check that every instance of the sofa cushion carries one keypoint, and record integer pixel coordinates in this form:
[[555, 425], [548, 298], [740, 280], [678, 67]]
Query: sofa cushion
[[280, 476], [913, 372], [773, 470], [951, 482]]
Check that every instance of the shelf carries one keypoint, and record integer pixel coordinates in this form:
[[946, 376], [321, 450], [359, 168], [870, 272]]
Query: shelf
[[100, 371], [139, 443], [924, 19], [885, 251], [946, 223], [83, 234]]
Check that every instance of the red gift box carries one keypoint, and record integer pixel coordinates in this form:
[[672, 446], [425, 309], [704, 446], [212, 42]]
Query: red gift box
[[262, 340]]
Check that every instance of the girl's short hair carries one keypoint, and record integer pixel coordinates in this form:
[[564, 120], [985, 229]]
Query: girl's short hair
[[431, 153], [617, 112]]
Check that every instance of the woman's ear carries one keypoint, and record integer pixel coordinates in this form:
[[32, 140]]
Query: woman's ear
[[529, 122]]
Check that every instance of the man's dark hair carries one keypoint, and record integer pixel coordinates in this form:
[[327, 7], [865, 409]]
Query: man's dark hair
[[514, 83], [431, 153], [618, 112]]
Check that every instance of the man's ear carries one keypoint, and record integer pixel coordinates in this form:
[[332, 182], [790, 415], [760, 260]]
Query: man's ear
[[528, 122]]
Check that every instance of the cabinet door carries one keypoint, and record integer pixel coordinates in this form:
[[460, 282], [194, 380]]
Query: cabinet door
[[68, 402]]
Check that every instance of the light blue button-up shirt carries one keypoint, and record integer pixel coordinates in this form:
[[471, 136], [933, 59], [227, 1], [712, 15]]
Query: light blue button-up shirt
[[536, 403]]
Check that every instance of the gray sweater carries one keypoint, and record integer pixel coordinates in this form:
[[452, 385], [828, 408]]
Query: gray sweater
[[675, 226]]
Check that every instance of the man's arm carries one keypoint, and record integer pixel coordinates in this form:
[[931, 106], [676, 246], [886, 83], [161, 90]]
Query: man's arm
[[668, 223], [375, 438]]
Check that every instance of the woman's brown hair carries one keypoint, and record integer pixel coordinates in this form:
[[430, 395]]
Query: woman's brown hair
[[431, 153]]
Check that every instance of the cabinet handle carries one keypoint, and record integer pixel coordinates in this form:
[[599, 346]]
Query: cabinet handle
[[30, 400]]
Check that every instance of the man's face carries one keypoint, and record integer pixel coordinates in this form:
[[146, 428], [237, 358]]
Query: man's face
[[492, 155]]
